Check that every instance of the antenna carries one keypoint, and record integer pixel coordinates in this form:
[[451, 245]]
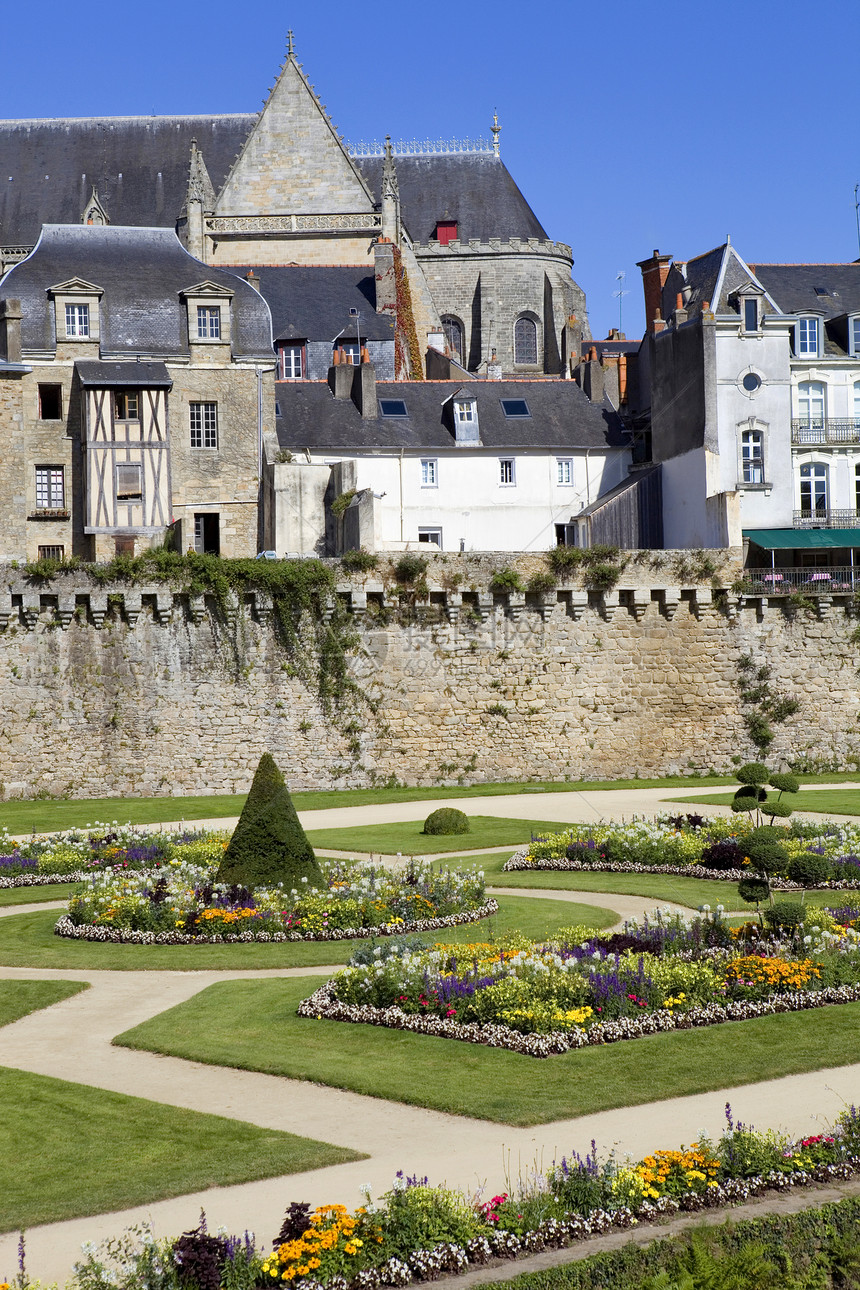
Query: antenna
[[857, 214], [620, 294]]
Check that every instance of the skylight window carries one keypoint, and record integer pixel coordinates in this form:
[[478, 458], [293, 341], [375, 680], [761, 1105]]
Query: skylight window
[[821, 291], [393, 408], [515, 408]]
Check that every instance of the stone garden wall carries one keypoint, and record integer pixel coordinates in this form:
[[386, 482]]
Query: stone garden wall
[[115, 691]]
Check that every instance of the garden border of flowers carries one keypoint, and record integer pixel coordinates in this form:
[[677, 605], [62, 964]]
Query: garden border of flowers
[[323, 1004], [519, 862], [121, 936], [44, 879]]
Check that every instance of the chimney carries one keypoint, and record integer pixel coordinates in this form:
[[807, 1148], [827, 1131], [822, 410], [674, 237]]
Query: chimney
[[680, 315], [340, 377], [592, 377], [622, 379], [658, 324], [655, 271], [10, 330], [252, 278], [364, 388]]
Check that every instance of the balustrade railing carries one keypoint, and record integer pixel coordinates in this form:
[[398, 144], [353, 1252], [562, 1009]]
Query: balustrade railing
[[820, 581], [813, 430], [826, 519]]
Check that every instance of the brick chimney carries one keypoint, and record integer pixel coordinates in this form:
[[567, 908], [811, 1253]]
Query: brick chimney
[[655, 271], [680, 314], [252, 278], [592, 376], [364, 388]]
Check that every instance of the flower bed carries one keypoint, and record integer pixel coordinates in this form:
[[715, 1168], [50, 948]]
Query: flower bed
[[415, 1232], [691, 847], [582, 988], [74, 855], [182, 904]]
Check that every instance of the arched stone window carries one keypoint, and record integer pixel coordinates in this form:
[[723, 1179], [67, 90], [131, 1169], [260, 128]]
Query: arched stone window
[[453, 330], [525, 342]]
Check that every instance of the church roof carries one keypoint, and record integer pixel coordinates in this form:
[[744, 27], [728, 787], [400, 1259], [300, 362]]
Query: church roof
[[560, 418], [138, 165], [475, 189], [141, 272]]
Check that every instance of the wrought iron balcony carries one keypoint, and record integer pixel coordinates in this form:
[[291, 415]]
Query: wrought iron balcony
[[813, 430], [824, 519], [815, 582]]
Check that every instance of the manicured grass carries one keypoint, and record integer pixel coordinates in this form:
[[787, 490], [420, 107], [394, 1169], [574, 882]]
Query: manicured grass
[[36, 895], [28, 940], [18, 998], [833, 801], [408, 838], [253, 1025], [84, 1151]]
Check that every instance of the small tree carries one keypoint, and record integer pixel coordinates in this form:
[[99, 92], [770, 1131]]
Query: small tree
[[763, 846], [269, 845]]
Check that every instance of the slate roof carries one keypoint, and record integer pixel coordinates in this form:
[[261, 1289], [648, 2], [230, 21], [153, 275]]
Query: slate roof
[[475, 189], [141, 271], [151, 375], [139, 166], [562, 418], [793, 287], [309, 303]]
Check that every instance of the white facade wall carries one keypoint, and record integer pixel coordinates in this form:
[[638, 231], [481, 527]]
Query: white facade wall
[[469, 501], [841, 380]]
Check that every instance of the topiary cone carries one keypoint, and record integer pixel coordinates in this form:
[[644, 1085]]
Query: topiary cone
[[269, 845]]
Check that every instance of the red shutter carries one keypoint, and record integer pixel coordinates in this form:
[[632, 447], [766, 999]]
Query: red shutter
[[446, 231]]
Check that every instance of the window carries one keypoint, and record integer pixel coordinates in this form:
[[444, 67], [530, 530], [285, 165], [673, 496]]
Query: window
[[429, 472], [128, 481], [464, 410], [506, 470], [857, 405], [806, 334], [752, 456], [750, 315], [810, 408], [207, 534], [855, 336], [50, 402], [564, 470], [350, 351], [50, 489], [126, 405], [515, 408], [204, 425], [291, 362], [52, 552], [813, 490], [525, 341], [208, 322], [453, 329], [857, 488], [392, 408], [751, 382], [434, 536], [446, 231], [77, 320]]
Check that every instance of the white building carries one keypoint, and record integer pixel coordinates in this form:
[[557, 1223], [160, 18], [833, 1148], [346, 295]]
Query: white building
[[755, 405]]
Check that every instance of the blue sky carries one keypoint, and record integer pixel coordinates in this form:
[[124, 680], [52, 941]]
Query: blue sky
[[628, 126]]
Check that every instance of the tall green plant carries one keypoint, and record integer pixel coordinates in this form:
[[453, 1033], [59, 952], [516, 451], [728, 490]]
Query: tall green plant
[[269, 845]]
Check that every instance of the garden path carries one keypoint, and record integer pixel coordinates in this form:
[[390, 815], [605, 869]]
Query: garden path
[[72, 1040]]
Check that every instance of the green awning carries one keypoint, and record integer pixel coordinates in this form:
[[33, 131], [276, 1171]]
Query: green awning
[[802, 539]]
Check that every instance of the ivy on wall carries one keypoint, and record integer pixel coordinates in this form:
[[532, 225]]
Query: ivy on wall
[[408, 357]]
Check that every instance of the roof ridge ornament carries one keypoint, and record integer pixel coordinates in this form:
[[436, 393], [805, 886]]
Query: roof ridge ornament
[[94, 212], [291, 53], [419, 147], [495, 129]]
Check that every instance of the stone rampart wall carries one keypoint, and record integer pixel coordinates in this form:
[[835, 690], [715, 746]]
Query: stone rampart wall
[[144, 690]]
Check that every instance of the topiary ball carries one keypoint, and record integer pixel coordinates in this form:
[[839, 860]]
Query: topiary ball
[[753, 890], [784, 915], [446, 820], [754, 772], [809, 870]]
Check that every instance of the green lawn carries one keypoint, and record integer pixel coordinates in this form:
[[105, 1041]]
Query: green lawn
[[18, 998], [253, 1025], [28, 940], [407, 837], [833, 801], [87, 1151], [37, 895]]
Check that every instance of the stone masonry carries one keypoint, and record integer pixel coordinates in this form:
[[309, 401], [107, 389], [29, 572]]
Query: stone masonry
[[140, 690]]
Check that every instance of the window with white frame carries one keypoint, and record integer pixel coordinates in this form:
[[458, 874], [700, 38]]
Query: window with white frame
[[806, 337], [857, 405], [292, 361], [208, 322], [203, 420], [77, 320], [564, 470], [813, 490], [429, 472], [811, 405], [506, 471], [752, 456], [857, 489], [854, 336], [50, 488], [464, 410], [433, 536]]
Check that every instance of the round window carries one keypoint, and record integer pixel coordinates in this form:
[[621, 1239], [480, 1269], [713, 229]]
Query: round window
[[751, 382]]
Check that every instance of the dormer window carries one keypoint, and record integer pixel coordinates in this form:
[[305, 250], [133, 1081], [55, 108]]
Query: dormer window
[[854, 336], [446, 231], [806, 335], [78, 321], [208, 310], [464, 411], [208, 322], [76, 310]]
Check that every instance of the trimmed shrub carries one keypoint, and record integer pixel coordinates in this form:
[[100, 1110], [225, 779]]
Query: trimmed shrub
[[809, 870], [722, 855], [753, 890], [446, 820], [784, 914], [766, 856], [754, 772], [269, 845], [785, 783]]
